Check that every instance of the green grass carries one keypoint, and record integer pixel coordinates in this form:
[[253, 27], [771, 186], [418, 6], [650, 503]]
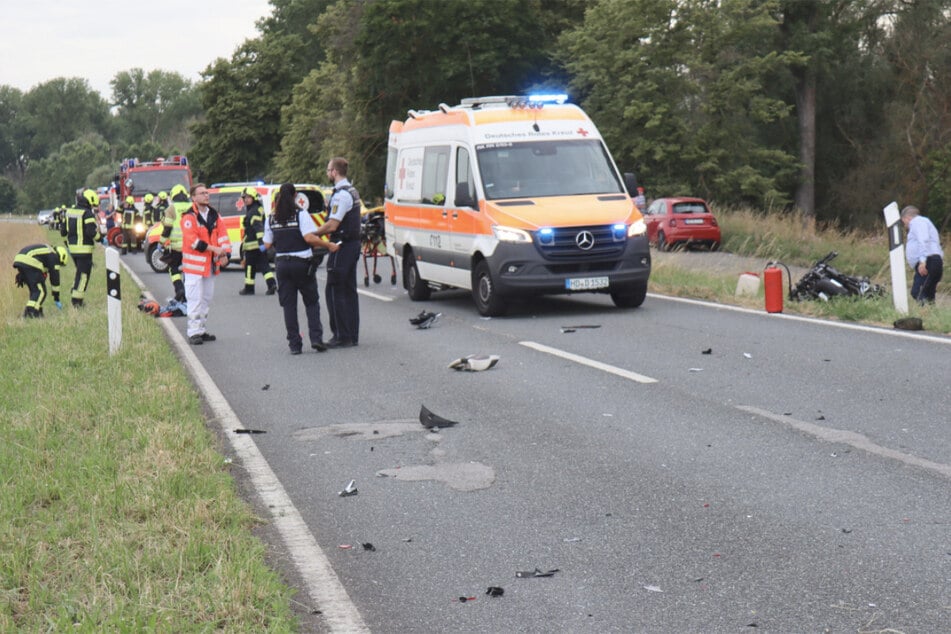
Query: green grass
[[117, 512]]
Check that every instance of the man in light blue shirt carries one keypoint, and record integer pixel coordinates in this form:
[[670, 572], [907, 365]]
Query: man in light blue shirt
[[923, 253]]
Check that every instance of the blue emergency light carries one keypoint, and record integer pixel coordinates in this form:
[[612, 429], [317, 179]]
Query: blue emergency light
[[546, 235], [549, 98]]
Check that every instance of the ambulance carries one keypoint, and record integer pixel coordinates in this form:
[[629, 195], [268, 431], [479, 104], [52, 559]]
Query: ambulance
[[510, 197]]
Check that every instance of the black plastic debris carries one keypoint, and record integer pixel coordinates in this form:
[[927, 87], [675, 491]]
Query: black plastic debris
[[431, 421], [350, 489], [579, 326], [465, 599], [524, 574], [495, 591], [567, 330], [242, 430], [425, 319], [266, 386], [368, 546], [707, 351]]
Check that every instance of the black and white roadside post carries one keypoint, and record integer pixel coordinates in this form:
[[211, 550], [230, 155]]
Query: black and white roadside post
[[896, 254], [114, 299]]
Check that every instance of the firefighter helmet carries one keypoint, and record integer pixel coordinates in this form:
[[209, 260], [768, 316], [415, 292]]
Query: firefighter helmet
[[250, 192], [148, 199], [63, 255], [150, 306], [129, 200], [91, 197], [162, 195], [178, 190]]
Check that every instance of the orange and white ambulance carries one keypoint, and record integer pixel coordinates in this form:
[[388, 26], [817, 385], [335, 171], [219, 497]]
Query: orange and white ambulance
[[508, 197]]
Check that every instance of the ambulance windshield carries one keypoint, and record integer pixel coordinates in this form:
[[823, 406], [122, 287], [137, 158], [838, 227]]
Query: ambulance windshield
[[534, 169]]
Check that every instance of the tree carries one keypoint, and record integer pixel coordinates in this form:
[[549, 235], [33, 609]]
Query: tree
[[54, 180], [156, 107], [13, 135], [61, 110], [8, 195]]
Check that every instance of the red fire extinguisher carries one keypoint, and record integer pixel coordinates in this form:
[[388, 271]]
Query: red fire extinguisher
[[773, 287]]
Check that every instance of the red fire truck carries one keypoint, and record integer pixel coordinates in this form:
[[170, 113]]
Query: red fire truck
[[137, 178]]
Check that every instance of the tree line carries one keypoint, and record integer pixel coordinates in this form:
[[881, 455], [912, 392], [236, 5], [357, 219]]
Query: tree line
[[828, 108]]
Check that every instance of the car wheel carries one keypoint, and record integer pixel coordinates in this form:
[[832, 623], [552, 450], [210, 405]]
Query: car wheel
[[417, 287], [630, 296], [662, 242], [152, 255], [115, 237], [486, 298]]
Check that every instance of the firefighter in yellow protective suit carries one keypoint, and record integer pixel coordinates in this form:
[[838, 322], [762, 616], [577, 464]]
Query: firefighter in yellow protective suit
[[172, 238], [253, 251], [148, 210], [81, 230], [33, 264], [129, 213]]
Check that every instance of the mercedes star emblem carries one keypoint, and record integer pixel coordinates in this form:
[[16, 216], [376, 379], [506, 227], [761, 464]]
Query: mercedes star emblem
[[584, 240]]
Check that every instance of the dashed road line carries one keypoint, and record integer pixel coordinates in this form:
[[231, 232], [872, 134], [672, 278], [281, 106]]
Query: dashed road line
[[621, 372]]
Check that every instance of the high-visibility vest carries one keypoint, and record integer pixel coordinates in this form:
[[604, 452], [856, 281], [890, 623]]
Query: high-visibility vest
[[80, 230], [171, 224]]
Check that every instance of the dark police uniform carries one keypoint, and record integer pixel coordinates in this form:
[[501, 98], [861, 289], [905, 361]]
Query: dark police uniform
[[341, 290], [294, 274]]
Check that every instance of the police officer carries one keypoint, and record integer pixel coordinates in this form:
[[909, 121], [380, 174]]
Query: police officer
[[128, 222], [293, 233], [81, 230], [33, 264], [172, 237], [343, 226], [253, 251]]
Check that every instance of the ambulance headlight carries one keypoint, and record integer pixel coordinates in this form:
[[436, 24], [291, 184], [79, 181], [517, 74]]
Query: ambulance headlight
[[510, 234], [637, 228], [546, 235]]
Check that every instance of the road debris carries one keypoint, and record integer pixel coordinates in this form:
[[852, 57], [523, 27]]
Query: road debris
[[525, 574], [495, 591], [475, 362], [707, 351], [653, 589], [425, 319], [433, 421], [242, 430], [350, 489]]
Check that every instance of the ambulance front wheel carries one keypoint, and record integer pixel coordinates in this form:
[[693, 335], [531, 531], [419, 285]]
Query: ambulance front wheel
[[486, 297], [417, 287], [630, 296]]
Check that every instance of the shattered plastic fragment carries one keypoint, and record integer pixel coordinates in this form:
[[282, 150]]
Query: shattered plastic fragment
[[465, 599], [696, 370], [350, 489], [345, 546], [241, 430], [523, 574], [652, 589], [430, 420], [475, 362], [368, 546], [267, 386], [425, 319], [747, 355], [707, 351], [495, 591]]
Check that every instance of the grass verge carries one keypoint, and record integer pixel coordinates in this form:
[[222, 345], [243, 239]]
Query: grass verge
[[117, 513]]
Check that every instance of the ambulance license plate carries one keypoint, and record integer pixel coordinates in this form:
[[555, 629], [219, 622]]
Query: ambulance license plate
[[586, 283]]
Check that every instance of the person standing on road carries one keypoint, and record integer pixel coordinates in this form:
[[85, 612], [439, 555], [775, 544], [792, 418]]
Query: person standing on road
[[81, 230], [205, 248], [129, 212], [640, 200], [33, 264], [293, 233], [923, 253], [343, 227], [253, 250], [172, 238]]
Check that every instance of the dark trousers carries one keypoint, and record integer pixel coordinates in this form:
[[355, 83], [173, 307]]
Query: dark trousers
[[83, 270], [923, 287], [256, 262], [35, 280], [341, 292], [293, 277], [175, 274]]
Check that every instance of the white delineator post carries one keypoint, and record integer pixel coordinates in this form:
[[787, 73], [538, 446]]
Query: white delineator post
[[896, 254], [114, 299]]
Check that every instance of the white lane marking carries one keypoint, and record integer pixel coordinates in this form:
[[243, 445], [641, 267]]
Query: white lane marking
[[320, 580], [881, 330], [859, 441], [621, 372], [382, 298]]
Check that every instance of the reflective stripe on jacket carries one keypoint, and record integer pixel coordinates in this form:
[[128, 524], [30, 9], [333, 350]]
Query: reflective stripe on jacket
[[197, 235]]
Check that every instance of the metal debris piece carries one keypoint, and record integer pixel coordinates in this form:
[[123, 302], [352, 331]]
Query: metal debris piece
[[350, 489], [431, 421], [495, 591], [524, 574], [475, 362], [425, 319]]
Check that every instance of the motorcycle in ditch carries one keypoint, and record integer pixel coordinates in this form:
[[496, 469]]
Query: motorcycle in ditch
[[823, 281]]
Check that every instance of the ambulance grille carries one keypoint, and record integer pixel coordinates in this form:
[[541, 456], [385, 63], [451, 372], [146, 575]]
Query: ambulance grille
[[564, 243]]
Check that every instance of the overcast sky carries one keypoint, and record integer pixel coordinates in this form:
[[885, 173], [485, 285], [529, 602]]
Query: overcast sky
[[45, 39]]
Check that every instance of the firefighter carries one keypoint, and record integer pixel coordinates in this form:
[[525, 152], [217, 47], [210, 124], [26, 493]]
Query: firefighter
[[159, 205], [148, 209], [253, 251], [33, 264], [81, 231], [172, 237], [128, 224]]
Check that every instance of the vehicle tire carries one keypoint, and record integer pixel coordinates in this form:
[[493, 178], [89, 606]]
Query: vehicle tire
[[115, 237], [630, 296], [662, 242], [486, 298], [152, 257], [417, 287]]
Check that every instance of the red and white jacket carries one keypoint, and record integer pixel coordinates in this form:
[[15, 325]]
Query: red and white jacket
[[197, 235]]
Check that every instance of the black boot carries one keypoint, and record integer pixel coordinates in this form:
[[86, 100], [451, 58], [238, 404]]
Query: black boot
[[247, 290], [29, 313], [271, 289], [78, 303]]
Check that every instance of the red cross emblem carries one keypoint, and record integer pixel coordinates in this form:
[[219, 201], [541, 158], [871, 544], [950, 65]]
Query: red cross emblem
[[583, 132]]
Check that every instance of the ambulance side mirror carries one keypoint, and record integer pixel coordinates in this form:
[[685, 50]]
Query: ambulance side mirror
[[630, 182], [464, 198]]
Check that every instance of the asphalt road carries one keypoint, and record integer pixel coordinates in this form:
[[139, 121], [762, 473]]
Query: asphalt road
[[797, 478]]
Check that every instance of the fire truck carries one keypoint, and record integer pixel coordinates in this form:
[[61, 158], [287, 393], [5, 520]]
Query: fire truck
[[137, 178]]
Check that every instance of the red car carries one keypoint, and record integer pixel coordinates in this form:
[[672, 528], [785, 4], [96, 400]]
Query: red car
[[681, 221]]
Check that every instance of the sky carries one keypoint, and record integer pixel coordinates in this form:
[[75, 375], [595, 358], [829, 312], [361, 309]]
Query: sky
[[95, 39]]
